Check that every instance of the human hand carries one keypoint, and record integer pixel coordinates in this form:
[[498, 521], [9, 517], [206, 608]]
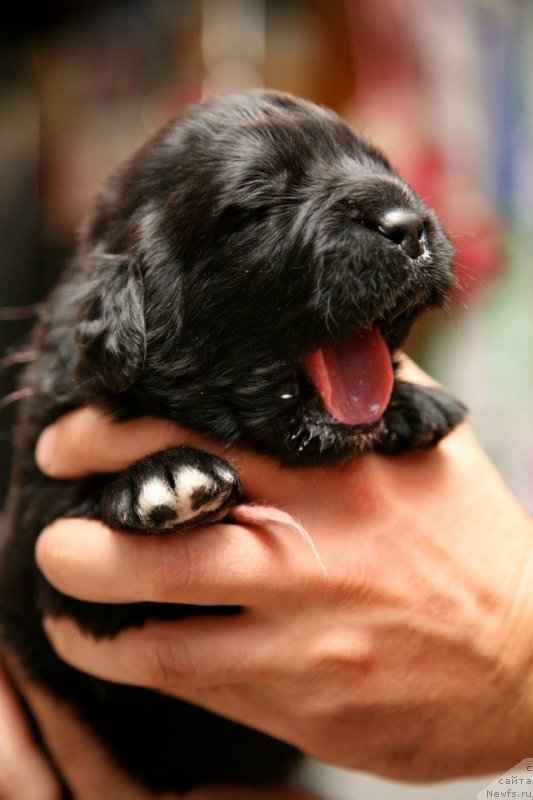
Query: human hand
[[413, 661], [85, 765]]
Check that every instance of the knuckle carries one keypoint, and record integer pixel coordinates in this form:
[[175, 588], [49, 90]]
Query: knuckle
[[168, 662], [241, 554], [199, 561], [342, 657], [187, 564], [177, 568]]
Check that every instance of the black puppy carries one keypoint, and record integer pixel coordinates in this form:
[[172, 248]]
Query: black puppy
[[251, 273]]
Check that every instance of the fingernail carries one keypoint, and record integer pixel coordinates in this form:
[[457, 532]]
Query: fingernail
[[45, 449]]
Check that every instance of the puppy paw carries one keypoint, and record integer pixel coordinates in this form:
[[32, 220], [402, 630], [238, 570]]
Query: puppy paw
[[170, 490], [418, 417]]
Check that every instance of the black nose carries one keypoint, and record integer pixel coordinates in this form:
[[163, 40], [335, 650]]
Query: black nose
[[404, 228]]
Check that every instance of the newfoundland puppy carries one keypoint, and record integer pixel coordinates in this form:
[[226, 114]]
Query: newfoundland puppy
[[251, 273]]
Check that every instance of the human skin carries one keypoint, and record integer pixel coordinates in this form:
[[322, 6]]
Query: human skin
[[86, 767], [412, 659]]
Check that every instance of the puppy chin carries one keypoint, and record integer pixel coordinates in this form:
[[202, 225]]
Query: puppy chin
[[322, 441]]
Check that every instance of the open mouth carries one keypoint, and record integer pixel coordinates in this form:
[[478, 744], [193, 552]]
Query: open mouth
[[346, 381], [353, 378]]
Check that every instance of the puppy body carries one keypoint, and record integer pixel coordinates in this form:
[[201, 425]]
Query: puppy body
[[236, 275]]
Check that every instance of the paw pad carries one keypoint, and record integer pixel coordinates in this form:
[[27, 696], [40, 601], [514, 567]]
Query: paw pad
[[170, 490]]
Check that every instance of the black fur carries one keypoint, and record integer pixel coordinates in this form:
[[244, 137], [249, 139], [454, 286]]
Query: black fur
[[245, 234]]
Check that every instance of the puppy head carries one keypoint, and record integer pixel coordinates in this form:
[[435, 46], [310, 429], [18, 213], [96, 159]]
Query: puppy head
[[251, 272]]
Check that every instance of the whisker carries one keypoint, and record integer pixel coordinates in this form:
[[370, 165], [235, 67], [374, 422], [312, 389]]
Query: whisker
[[14, 397], [23, 357], [12, 313]]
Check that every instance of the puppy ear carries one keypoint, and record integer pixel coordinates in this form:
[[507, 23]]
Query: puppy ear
[[111, 330]]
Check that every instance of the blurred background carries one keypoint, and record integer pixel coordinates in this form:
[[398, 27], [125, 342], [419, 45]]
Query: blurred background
[[443, 86]]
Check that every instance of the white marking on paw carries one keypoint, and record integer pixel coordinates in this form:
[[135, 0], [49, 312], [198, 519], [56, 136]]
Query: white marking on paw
[[190, 480], [155, 492]]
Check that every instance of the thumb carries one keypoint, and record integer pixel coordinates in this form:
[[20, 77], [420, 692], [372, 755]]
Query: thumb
[[89, 770], [84, 763]]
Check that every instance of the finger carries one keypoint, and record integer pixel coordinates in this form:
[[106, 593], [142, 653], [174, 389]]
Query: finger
[[90, 772], [217, 564], [86, 766], [24, 770], [85, 441], [206, 651]]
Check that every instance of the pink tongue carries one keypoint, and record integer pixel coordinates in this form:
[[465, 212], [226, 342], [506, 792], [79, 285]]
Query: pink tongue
[[354, 378]]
